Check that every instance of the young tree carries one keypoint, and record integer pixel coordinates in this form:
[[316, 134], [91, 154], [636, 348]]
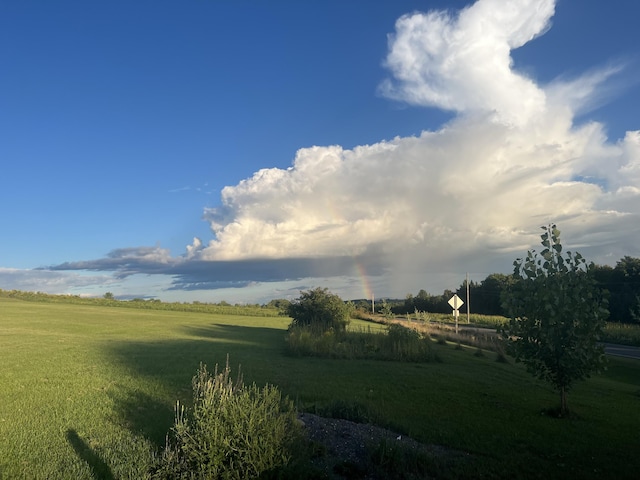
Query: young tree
[[386, 310], [556, 315], [320, 311]]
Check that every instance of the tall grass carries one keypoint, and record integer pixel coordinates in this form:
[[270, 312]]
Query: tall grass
[[622, 333], [233, 431], [396, 343]]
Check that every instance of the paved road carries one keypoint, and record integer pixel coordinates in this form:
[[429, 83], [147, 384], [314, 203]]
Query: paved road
[[609, 348], [622, 351]]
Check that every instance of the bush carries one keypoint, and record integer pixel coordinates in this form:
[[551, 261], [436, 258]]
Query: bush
[[407, 344], [320, 311], [232, 432], [397, 344]]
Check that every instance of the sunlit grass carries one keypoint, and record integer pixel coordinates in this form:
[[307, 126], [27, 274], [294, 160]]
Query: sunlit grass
[[88, 392]]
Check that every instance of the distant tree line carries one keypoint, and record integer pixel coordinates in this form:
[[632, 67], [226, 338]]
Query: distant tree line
[[108, 300], [620, 284]]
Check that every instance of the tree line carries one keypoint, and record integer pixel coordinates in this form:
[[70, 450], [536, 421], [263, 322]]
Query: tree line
[[619, 284]]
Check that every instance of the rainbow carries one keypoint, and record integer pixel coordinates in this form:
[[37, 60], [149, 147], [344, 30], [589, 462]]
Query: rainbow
[[362, 274], [337, 216]]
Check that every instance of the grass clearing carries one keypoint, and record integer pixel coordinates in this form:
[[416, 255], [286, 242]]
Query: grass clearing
[[88, 391]]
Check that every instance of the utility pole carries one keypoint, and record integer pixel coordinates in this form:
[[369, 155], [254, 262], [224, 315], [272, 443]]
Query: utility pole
[[373, 304], [468, 309]]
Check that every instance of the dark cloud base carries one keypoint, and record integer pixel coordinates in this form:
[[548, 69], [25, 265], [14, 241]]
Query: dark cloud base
[[190, 274]]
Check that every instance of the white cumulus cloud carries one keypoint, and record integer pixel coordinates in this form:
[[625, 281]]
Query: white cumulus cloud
[[469, 196], [512, 160], [463, 62]]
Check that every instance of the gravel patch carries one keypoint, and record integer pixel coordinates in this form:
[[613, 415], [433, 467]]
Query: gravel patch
[[346, 446]]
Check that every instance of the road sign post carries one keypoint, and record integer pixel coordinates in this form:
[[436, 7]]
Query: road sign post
[[456, 302]]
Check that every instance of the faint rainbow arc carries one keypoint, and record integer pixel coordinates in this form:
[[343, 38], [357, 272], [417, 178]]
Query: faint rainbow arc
[[361, 271]]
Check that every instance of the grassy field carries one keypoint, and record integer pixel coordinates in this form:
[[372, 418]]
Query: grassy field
[[88, 391]]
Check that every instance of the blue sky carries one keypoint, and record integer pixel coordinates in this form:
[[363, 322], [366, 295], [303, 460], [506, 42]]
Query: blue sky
[[245, 150]]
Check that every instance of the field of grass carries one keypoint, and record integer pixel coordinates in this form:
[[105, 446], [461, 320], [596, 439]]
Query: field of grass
[[88, 391]]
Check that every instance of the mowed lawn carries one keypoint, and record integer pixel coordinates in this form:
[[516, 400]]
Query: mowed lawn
[[88, 392]]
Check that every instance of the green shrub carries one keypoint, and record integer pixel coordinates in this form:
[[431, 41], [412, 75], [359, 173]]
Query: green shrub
[[233, 431], [406, 344], [320, 311]]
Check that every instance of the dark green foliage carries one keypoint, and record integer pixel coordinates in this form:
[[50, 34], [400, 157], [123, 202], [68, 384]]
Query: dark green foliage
[[319, 311], [487, 295], [394, 460], [623, 284], [233, 431], [501, 357], [280, 304], [343, 409], [423, 302], [556, 314], [386, 310]]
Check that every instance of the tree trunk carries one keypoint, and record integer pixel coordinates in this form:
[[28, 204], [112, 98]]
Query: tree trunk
[[563, 402]]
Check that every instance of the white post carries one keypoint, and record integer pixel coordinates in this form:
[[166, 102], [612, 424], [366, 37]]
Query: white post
[[456, 313], [468, 309]]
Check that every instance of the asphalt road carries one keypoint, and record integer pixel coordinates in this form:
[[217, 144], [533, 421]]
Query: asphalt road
[[609, 348], [622, 351]]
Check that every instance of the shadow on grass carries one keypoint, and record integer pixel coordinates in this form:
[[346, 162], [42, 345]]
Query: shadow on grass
[[144, 415], [167, 367], [99, 468]]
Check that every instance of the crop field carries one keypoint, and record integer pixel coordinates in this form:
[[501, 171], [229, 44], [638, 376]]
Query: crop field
[[88, 392]]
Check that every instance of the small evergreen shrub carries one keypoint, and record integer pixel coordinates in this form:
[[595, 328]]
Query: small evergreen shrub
[[233, 431]]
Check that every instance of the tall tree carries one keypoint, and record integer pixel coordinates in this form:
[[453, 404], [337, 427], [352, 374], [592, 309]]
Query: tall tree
[[556, 315]]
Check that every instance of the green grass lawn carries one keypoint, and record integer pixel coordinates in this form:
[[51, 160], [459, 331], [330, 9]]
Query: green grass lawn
[[88, 391]]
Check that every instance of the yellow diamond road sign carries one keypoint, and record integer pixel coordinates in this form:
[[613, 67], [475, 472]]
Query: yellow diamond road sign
[[455, 302]]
